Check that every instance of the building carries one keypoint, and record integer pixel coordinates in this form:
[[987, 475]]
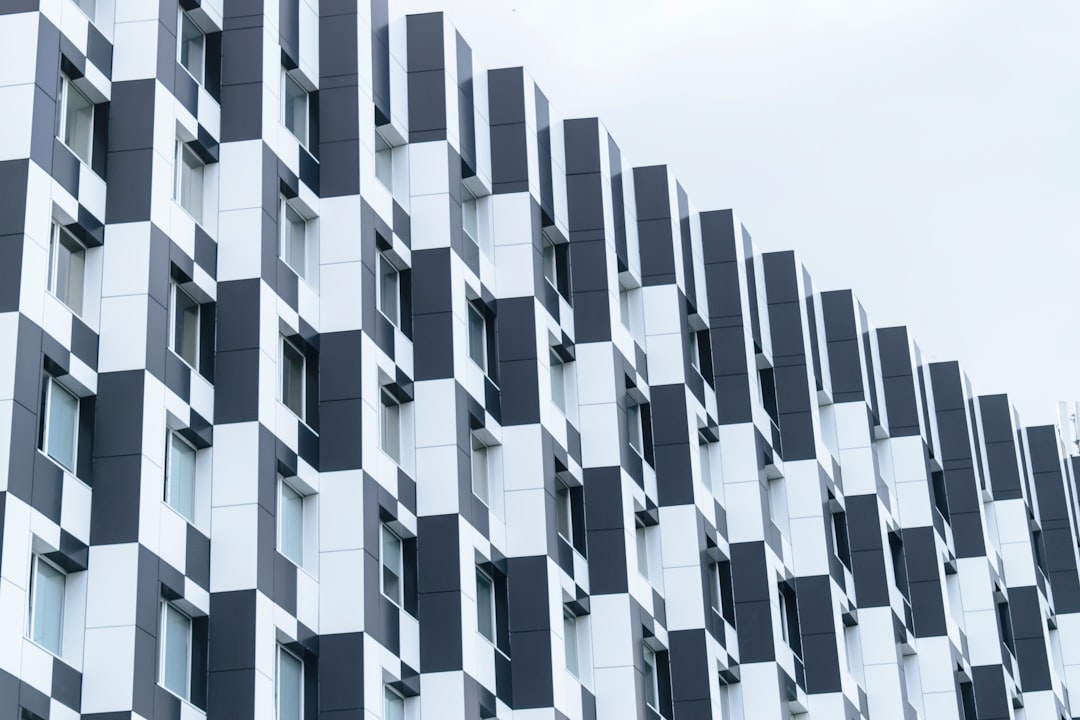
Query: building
[[341, 378]]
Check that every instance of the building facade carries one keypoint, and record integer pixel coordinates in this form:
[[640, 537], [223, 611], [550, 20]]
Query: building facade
[[341, 378]]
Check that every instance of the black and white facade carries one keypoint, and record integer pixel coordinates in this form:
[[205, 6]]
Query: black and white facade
[[342, 379]]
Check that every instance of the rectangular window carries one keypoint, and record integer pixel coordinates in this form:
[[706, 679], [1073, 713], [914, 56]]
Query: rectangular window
[[293, 238], [393, 705], [76, 120], [191, 47], [642, 539], [47, 589], [180, 476], [481, 479], [551, 263], [290, 686], [188, 181], [469, 221], [391, 565], [292, 377], [651, 690], [384, 161], [294, 111], [60, 435], [694, 351], [570, 641], [633, 426], [485, 605], [705, 455], [184, 340], [175, 651], [558, 382], [564, 515], [67, 268], [389, 290], [390, 427], [624, 307], [477, 337], [291, 522]]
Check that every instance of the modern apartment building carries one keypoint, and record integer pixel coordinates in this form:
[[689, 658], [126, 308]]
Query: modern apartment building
[[342, 379]]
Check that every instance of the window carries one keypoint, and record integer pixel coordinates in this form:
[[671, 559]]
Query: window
[[564, 515], [294, 109], [60, 431], [723, 598], [558, 382], [292, 377], [184, 339], [481, 477], [391, 565], [477, 337], [633, 426], [642, 538], [705, 455], [180, 476], [624, 307], [188, 181], [651, 690], [47, 586], [469, 221], [290, 687], [694, 350], [174, 662], [67, 267], [290, 522], [485, 605], [384, 160], [389, 290], [87, 6], [191, 47], [293, 238], [76, 120], [551, 263], [840, 538], [789, 618], [390, 426], [570, 641], [393, 705]]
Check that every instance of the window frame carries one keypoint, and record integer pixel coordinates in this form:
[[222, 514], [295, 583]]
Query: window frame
[[557, 374], [564, 508], [480, 346], [45, 446], [36, 560], [277, 682], [184, 18], [67, 86], [56, 233], [163, 645], [635, 433], [483, 578], [390, 416], [196, 191], [287, 345], [651, 685], [470, 211], [386, 532], [285, 229], [641, 541], [570, 640], [173, 435], [387, 270], [175, 290], [288, 78], [480, 456], [390, 695], [384, 160], [285, 486]]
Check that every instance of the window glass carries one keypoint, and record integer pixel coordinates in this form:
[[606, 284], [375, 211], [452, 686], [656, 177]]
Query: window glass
[[390, 427], [294, 244], [292, 524], [185, 327], [189, 181], [87, 6], [175, 659], [296, 108], [477, 337], [389, 290], [67, 268], [485, 606], [292, 378], [62, 422], [391, 563], [558, 382], [571, 643], [384, 161], [289, 685], [181, 483], [481, 482], [650, 677], [633, 426], [47, 619], [624, 307], [642, 551], [468, 215], [192, 43], [393, 705], [78, 119], [551, 268]]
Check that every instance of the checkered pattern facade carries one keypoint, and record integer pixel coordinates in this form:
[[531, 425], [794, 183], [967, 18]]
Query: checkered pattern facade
[[342, 379]]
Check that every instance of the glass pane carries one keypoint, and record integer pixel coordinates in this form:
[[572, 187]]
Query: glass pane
[[570, 641], [477, 339], [624, 308], [468, 214], [191, 48], [558, 383], [480, 472], [48, 606], [642, 552], [87, 6], [63, 415], [182, 477], [485, 610], [70, 258], [633, 427], [394, 706], [191, 182], [292, 524], [175, 661], [384, 161], [292, 379], [706, 464], [391, 564], [295, 245], [391, 429], [78, 123], [562, 507], [388, 290], [296, 98], [289, 686], [650, 678], [186, 327], [550, 271]]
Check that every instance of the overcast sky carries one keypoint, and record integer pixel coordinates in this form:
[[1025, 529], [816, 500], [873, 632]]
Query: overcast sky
[[925, 153]]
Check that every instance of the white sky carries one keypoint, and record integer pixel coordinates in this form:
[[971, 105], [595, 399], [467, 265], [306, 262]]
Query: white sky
[[924, 153]]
